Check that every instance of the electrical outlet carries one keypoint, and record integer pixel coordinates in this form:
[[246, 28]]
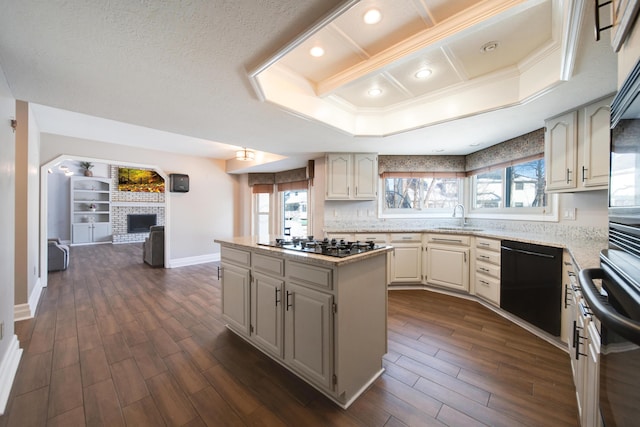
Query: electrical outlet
[[569, 214]]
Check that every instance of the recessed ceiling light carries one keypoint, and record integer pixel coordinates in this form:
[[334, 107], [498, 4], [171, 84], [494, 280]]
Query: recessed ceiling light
[[423, 73], [316, 51], [439, 150], [375, 91], [489, 47], [475, 144], [372, 16]]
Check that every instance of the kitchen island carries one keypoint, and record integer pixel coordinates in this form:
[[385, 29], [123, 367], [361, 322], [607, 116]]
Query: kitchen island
[[324, 318]]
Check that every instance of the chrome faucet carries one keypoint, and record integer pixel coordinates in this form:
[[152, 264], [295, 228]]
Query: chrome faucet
[[463, 221]]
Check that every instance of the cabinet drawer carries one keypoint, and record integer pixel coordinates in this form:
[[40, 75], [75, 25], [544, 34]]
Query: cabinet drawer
[[269, 265], [488, 288], [488, 256], [310, 274], [405, 237], [236, 256], [371, 237], [492, 270], [451, 239], [488, 244]]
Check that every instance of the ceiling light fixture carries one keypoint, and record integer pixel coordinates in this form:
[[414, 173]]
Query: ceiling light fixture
[[316, 51], [423, 73], [245, 155], [375, 91], [489, 47], [372, 16]]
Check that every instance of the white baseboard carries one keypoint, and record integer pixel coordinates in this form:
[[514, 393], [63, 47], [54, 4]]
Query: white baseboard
[[8, 369], [27, 311], [201, 259]]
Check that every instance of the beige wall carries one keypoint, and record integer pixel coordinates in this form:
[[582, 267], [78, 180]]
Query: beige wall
[[208, 211], [27, 204]]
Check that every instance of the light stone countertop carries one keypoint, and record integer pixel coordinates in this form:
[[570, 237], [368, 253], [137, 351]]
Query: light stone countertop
[[251, 242], [585, 251]]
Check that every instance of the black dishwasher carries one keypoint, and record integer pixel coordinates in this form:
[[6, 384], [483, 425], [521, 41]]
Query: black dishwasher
[[531, 283]]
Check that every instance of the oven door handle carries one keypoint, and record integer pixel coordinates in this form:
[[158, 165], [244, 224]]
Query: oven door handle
[[604, 311]]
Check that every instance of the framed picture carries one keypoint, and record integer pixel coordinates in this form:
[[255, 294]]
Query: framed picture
[[140, 180], [625, 13]]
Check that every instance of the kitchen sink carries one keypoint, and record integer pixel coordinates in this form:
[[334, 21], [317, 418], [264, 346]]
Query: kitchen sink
[[459, 228]]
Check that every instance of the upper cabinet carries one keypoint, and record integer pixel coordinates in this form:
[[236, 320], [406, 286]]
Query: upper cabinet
[[352, 176], [577, 149]]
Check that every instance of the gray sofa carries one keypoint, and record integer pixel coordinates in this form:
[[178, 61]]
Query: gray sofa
[[153, 247], [58, 255]]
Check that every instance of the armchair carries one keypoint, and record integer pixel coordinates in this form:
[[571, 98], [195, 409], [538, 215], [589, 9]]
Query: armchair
[[57, 255], [153, 247]]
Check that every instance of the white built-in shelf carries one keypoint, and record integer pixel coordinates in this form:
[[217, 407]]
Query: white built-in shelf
[[90, 225]]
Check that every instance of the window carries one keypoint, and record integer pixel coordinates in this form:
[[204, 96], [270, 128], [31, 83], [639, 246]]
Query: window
[[421, 195], [262, 203], [294, 208], [517, 186]]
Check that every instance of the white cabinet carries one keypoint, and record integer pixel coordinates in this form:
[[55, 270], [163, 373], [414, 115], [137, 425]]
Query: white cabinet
[[351, 176], [90, 210], [487, 269], [266, 312], [597, 140], [406, 258], [235, 297], [324, 321], [236, 278], [309, 333], [577, 149], [448, 261], [95, 232]]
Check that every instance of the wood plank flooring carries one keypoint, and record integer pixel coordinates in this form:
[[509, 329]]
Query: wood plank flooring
[[118, 343]]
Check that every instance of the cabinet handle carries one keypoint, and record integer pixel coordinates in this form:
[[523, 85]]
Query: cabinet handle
[[440, 239], [484, 282], [220, 270], [486, 270], [568, 175], [277, 296], [485, 257], [465, 257], [584, 175], [288, 303], [484, 244]]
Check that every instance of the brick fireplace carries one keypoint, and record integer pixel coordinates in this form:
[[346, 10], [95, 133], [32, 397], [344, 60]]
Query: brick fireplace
[[124, 203]]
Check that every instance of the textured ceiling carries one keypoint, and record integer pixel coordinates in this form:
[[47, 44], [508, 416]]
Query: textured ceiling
[[181, 67]]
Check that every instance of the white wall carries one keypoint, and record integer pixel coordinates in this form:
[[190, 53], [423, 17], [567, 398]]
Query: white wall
[[196, 218], [7, 240]]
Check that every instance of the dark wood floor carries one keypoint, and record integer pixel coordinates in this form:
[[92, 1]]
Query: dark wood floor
[[116, 342]]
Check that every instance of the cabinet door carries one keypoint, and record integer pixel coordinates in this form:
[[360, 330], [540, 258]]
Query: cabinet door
[[597, 141], [338, 176], [101, 232], [560, 152], [365, 176], [235, 297], [309, 333], [266, 312], [448, 266], [81, 233], [406, 263]]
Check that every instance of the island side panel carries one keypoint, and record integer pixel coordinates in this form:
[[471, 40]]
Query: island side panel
[[360, 323]]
